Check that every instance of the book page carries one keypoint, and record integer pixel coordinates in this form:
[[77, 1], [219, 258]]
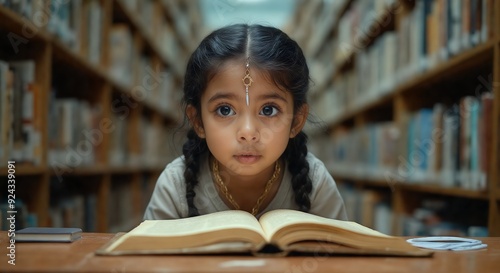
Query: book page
[[205, 223], [287, 227], [275, 220], [193, 232]]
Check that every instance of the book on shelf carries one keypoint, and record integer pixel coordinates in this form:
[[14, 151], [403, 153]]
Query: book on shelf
[[277, 232], [485, 137], [122, 54], [431, 33], [370, 208], [95, 15], [73, 124], [6, 94], [20, 124], [48, 234], [64, 22]]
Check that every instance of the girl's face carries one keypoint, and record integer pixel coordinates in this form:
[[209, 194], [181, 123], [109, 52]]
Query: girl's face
[[247, 139]]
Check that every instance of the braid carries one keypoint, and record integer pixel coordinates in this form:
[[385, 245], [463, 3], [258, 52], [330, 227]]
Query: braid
[[192, 150], [299, 168]]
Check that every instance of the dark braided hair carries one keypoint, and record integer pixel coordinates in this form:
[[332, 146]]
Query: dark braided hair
[[268, 49]]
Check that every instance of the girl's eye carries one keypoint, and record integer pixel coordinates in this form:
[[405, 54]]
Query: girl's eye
[[225, 111], [269, 111]]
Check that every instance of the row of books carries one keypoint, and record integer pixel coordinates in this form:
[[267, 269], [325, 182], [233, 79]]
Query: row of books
[[123, 54], [73, 205], [431, 217], [65, 21], [368, 207], [146, 79], [359, 21], [74, 210], [71, 122], [127, 66], [151, 147], [120, 206], [433, 27], [446, 145], [149, 15], [157, 86], [23, 217], [376, 73], [147, 12], [125, 214], [440, 29], [438, 217], [426, 37], [20, 130], [74, 132]]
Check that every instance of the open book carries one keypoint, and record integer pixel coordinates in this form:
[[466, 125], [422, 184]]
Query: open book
[[277, 232]]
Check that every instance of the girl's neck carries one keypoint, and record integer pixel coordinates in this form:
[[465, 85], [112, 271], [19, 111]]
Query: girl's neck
[[246, 190], [243, 182]]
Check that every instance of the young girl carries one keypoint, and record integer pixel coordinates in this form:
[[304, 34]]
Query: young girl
[[245, 97]]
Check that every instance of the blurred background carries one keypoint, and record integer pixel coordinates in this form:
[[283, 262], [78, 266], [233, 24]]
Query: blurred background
[[404, 103]]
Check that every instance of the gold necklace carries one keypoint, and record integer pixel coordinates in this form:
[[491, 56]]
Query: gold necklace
[[229, 197]]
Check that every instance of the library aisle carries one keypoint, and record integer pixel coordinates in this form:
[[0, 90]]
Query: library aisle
[[91, 89], [407, 95], [405, 92]]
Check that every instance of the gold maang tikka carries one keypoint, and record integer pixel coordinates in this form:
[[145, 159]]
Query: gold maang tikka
[[247, 81]]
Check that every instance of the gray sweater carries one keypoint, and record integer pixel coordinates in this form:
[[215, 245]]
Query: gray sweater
[[169, 197]]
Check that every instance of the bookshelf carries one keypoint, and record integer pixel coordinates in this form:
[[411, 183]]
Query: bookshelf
[[102, 106], [388, 76]]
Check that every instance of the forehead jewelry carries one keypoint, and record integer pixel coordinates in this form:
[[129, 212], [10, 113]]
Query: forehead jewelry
[[247, 80]]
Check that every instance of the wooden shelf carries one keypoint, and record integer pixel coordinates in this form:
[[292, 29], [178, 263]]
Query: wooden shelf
[[466, 61], [427, 81], [386, 16], [64, 55], [428, 187], [152, 107], [25, 170], [436, 189], [328, 31], [74, 76], [172, 11], [81, 171], [21, 27], [146, 36], [126, 169]]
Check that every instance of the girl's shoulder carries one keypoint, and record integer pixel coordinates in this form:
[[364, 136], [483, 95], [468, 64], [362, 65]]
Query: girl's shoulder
[[176, 164], [173, 174], [318, 172], [315, 164], [175, 169]]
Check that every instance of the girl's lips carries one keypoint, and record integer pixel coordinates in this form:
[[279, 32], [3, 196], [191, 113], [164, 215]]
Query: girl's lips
[[247, 159]]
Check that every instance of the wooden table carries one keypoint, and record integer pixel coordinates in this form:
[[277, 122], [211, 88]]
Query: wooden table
[[79, 257]]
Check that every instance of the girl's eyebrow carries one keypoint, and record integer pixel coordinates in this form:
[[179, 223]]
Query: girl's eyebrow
[[230, 96], [273, 95], [221, 95]]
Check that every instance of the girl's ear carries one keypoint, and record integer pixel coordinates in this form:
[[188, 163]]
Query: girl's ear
[[195, 121], [299, 120]]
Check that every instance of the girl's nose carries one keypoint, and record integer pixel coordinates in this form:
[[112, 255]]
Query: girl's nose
[[247, 130]]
